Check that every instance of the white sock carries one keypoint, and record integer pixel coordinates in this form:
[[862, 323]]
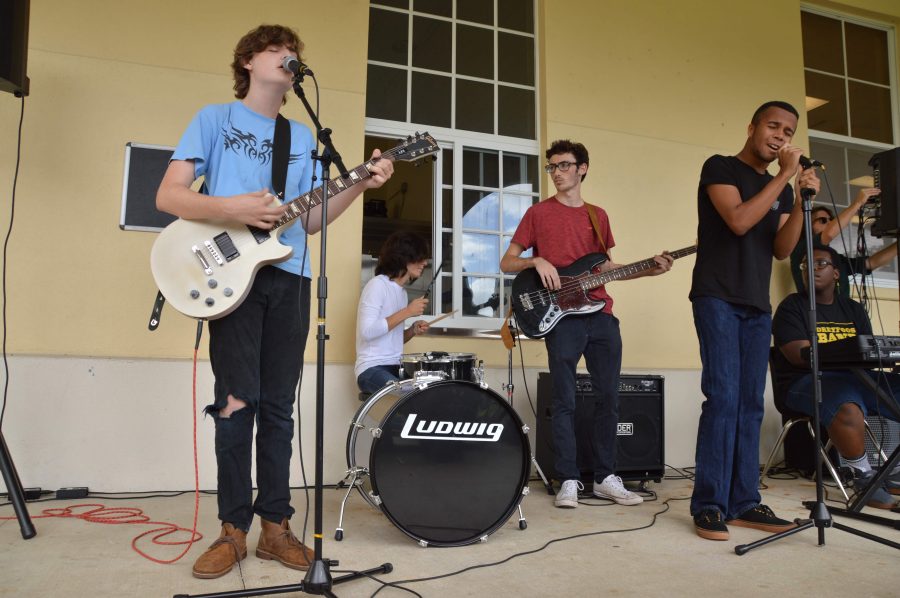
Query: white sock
[[860, 463]]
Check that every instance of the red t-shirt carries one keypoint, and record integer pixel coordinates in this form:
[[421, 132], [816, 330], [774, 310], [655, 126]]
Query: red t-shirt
[[561, 235]]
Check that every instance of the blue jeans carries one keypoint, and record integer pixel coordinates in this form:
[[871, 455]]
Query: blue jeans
[[597, 337], [734, 350], [373, 379], [838, 388], [256, 353]]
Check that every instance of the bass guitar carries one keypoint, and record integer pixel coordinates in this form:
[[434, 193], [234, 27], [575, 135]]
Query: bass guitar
[[539, 309], [205, 268]]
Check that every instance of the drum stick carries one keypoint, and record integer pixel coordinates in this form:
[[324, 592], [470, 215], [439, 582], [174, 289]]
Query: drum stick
[[441, 317]]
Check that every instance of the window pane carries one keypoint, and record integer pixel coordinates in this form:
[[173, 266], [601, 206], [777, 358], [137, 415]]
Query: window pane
[[831, 116], [447, 161], [481, 296], [481, 209], [515, 58], [386, 93], [394, 3], [870, 112], [514, 207], [481, 253], [833, 158], [431, 44], [867, 56], [431, 99], [447, 253], [516, 14], [822, 43], [446, 292], [474, 106], [388, 36], [481, 168], [507, 240], [447, 208], [477, 11], [516, 112], [519, 169], [474, 51], [507, 292], [443, 8]]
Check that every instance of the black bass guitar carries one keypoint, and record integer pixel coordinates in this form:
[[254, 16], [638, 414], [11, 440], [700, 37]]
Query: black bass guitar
[[538, 309]]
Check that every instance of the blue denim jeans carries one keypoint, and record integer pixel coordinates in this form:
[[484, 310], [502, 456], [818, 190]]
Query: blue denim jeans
[[373, 379], [597, 337], [734, 350], [256, 353], [838, 388]]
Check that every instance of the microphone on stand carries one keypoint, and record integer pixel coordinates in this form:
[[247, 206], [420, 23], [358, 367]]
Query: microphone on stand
[[295, 66], [806, 164]]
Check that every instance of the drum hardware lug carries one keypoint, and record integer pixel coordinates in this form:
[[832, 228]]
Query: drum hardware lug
[[525, 429], [357, 425], [376, 432], [526, 491], [483, 384], [483, 539], [375, 498], [423, 543]]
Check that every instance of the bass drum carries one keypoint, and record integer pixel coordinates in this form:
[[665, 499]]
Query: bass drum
[[448, 461]]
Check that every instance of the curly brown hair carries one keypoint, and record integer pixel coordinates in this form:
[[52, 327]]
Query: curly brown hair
[[255, 41]]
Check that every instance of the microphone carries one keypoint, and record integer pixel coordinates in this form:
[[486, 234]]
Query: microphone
[[809, 163], [295, 66]]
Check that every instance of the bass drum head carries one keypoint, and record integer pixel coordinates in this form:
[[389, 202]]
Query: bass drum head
[[450, 464]]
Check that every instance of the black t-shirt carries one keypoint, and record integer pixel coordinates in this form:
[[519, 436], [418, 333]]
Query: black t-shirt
[[843, 318], [731, 267]]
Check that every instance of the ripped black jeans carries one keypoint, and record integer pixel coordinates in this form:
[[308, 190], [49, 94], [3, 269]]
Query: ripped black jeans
[[256, 353]]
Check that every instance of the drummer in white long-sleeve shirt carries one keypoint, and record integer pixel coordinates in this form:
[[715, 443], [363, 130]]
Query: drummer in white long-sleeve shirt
[[384, 307]]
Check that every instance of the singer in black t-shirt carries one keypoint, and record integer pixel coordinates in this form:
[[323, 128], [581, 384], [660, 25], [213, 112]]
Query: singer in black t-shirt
[[746, 216]]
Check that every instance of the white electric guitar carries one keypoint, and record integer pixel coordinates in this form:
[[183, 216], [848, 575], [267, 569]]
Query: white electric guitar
[[205, 268]]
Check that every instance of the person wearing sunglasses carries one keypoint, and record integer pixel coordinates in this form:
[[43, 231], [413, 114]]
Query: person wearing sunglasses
[[826, 228], [559, 231], [746, 217], [845, 399]]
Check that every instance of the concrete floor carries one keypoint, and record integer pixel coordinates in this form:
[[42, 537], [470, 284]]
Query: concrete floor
[[75, 558]]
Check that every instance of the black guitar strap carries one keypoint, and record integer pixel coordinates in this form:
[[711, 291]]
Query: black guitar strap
[[280, 154]]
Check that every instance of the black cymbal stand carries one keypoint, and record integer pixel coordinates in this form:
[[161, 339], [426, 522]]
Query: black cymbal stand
[[819, 515]]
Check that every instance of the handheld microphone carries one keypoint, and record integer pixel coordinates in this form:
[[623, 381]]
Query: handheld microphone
[[809, 163], [293, 65]]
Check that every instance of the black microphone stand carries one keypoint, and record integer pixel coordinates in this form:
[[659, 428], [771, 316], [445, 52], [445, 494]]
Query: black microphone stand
[[318, 578], [819, 515], [14, 490]]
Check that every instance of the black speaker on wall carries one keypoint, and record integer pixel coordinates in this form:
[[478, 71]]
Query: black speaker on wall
[[886, 171], [640, 453], [14, 46]]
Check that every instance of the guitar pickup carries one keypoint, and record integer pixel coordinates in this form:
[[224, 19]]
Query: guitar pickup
[[226, 247], [525, 300], [206, 269], [214, 252]]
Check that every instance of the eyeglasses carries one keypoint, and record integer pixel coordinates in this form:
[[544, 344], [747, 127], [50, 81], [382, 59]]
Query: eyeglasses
[[563, 166], [817, 264], [822, 220]]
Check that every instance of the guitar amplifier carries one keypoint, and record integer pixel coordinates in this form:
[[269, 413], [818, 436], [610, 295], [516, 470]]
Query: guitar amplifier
[[886, 171], [640, 446]]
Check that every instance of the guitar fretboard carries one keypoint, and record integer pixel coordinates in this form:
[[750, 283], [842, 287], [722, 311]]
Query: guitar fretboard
[[306, 202], [595, 280]]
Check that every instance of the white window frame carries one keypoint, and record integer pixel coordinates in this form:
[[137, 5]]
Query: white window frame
[[458, 140]]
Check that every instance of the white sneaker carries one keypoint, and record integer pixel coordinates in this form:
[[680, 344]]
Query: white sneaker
[[567, 497], [612, 488]]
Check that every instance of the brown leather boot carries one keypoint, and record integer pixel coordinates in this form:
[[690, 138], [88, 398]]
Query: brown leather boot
[[221, 556], [276, 541]]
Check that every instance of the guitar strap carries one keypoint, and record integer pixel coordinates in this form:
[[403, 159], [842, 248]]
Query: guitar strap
[[280, 153], [596, 224]]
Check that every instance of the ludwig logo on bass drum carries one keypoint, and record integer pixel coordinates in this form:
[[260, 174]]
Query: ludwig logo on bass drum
[[447, 430]]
